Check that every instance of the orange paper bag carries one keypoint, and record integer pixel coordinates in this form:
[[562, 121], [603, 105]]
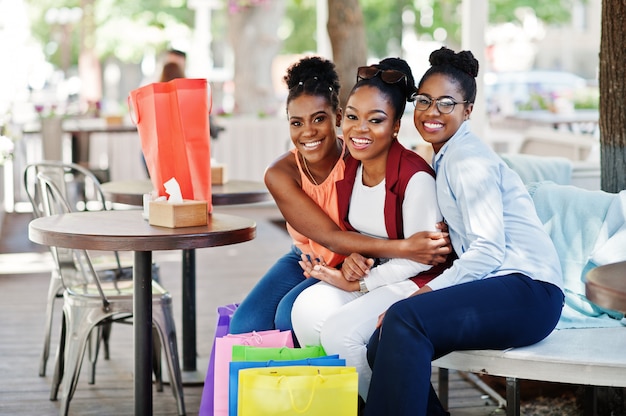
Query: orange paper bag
[[172, 119]]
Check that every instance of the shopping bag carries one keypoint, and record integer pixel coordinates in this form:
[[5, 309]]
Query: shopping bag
[[301, 390], [235, 366], [172, 119], [224, 315], [223, 357], [262, 353]]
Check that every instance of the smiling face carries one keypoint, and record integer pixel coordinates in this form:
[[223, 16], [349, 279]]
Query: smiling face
[[434, 127], [312, 123], [369, 124]]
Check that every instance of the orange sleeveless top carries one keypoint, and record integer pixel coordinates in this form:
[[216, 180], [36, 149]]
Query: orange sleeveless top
[[324, 195]]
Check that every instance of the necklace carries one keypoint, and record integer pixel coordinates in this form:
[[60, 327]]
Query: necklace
[[306, 167]]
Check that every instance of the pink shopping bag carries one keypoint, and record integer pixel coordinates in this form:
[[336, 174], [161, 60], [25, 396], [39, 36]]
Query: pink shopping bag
[[223, 357]]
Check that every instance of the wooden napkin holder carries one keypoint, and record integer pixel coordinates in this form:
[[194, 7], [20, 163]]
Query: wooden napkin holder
[[174, 215], [218, 174]]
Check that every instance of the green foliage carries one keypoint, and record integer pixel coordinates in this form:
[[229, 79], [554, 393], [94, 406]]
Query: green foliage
[[127, 28], [299, 27], [446, 14], [432, 15], [536, 102], [383, 25], [553, 11], [588, 99], [156, 13], [124, 28]]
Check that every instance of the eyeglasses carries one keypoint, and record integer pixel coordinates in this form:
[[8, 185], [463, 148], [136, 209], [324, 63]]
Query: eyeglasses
[[445, 105], [389, 76]]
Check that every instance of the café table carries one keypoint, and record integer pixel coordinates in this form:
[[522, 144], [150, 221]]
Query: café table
[[81, 130], [126, 230], [579, 121], [606, 286], [233, 192]]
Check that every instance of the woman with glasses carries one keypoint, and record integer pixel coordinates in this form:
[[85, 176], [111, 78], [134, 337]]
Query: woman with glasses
[[302, 183], [388, 192], [505, 288]]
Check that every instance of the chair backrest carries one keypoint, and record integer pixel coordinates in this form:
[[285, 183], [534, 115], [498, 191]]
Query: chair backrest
[[74, 266], [78, 186]]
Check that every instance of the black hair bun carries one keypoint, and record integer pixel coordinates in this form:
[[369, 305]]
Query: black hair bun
[[313, 68], [464, 60]]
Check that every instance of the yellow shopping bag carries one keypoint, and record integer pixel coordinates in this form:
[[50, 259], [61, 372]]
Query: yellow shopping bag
[[298, 390]]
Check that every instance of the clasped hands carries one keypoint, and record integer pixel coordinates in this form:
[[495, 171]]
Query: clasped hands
[[428, 247]]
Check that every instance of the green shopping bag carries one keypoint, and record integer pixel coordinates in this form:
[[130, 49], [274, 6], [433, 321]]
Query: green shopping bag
[[253, 353], [298, 390]]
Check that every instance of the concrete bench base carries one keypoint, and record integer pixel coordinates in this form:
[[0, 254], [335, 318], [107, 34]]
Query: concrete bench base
[[589, 356]]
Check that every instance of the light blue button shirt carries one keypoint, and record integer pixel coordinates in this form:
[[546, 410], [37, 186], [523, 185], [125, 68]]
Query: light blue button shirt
[[491, 218]]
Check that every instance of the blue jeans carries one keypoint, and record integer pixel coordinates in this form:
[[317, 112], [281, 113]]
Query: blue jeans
[[493, 313], [269, 303]]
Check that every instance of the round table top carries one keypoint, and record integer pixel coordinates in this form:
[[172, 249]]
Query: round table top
[[126, 230], [606, 286], [233, 192]]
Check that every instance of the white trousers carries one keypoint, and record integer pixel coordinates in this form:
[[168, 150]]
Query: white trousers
[[343, 322]]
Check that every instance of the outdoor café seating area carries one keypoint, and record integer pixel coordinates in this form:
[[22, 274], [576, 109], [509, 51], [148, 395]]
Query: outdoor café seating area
[[223, 274], [222, 278]]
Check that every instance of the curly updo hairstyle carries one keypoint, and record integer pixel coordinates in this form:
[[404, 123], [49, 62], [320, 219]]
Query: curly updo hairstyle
[[399, 92], [460, 67], [313, 76]]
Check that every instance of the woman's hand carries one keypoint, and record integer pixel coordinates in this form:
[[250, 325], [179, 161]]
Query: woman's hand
[[327, 274], [380, 320], [430, 247], [423, 289], [356, 267], [308, 263]]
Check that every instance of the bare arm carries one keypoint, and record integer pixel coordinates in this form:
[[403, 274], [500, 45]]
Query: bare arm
[[305, 216]]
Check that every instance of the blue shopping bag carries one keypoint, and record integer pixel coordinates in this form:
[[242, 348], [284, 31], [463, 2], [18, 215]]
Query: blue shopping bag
[[235, 366]]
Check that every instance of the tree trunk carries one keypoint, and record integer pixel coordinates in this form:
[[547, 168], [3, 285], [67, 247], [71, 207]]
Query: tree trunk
[[346, 30], [612, 94], [255, 42]]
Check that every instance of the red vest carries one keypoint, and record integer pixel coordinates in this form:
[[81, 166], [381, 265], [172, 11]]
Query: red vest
[[402, 164]]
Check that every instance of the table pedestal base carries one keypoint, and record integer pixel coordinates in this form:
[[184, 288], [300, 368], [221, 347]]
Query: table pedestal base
[[193, 378], [190, 378], [142, 326]]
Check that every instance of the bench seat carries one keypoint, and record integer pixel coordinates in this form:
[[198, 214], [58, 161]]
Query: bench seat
[[586, 356], [582, 356]]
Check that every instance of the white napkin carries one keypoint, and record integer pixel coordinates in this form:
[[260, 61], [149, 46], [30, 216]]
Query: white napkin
[[172, 188]]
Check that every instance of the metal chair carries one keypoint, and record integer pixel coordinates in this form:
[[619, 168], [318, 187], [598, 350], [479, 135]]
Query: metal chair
[[81, 188], [90, 302]]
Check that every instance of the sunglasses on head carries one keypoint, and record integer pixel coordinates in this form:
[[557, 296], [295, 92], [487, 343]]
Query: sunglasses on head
[[389, 76]]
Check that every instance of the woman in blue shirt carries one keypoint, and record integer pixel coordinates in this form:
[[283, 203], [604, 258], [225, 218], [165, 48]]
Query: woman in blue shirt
[[505, 288]]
